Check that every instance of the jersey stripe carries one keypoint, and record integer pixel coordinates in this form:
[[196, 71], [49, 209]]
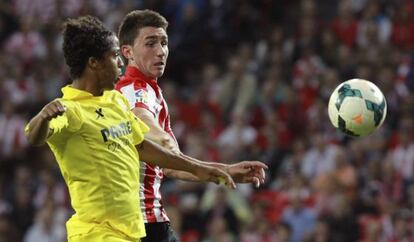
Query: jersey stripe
[[147, 94], [149, 193]]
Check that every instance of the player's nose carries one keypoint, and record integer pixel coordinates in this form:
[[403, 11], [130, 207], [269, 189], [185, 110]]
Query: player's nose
[[119, 62], [161, 52]]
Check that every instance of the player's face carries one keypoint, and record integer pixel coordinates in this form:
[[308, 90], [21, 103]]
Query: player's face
[[150, 51], [111, 64]]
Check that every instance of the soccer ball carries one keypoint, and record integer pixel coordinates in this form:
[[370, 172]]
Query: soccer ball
[[357, 107]]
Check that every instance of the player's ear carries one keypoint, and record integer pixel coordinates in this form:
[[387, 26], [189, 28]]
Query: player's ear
[[126, 51], [93, 63]]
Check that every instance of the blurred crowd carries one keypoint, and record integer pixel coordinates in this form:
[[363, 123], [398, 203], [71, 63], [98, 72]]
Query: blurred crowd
[[245, 80]]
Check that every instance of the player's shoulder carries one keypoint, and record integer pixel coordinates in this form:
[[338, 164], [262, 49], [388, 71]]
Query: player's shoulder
[[134, 82], [69, 103], [74, 110], [114, 94], [118, 99]]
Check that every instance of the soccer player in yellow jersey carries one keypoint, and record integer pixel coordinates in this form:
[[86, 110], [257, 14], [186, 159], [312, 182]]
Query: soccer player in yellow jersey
[[98, 142]]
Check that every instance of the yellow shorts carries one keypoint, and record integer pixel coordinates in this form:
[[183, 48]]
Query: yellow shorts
[[98, 235]]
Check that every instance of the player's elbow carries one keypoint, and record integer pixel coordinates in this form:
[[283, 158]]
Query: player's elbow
[[32, 140]]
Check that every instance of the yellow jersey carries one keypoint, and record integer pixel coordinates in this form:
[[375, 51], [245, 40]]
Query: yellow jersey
[[94, 145]]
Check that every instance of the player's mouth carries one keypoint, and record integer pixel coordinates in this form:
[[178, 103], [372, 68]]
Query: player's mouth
[[159, 65]]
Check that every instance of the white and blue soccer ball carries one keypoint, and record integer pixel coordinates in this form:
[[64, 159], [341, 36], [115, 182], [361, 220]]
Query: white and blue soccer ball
[[357, 107]]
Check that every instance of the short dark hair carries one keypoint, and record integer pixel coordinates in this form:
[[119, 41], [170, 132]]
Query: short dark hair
[[84, 37], [137, 19]]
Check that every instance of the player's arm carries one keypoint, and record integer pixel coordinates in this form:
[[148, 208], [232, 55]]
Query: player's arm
[[156, 133], [38, 127], [155, 154], [159, 136], [242, 172]]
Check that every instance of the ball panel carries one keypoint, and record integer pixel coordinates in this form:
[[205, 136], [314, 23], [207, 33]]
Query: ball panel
[[350, 108], [366, 126], [384, 112], [346, 91], [342, 125], [332, 111], [377, 109]]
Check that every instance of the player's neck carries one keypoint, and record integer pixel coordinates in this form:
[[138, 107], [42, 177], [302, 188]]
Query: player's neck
[[86, 84], [149, 77]]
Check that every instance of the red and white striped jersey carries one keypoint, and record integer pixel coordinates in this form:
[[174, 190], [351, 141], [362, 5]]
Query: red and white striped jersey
[[144, 92]]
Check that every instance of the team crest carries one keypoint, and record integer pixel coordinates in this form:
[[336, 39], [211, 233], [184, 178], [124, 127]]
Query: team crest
[[141, 96]]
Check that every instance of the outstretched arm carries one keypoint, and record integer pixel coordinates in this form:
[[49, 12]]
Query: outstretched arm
[[157, 135], [154, 154], [242, 172], [38, 127]]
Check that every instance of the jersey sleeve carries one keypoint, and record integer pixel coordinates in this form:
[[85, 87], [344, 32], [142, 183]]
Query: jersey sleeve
[[67, 123], [139, 97], [139, 129]]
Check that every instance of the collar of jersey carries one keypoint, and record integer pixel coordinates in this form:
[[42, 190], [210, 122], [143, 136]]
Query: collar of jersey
[[134, 72], [72, 93]]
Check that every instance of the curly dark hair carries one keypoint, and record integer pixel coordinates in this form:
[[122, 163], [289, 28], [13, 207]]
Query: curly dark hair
[[84, 37], [137, 19]]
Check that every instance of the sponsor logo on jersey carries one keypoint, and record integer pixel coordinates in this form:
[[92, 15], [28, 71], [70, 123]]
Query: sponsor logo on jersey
[[116, 131], [141, 96]]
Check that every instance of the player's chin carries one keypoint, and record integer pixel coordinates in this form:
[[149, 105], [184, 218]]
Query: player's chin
[[110, 86], [116, 78], [158, 73]]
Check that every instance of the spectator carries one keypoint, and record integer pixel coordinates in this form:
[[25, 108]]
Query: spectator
[[46, 228], [321, 233], [12, 140], [300, 218], [239, 82], [320, 158], [255, 73]]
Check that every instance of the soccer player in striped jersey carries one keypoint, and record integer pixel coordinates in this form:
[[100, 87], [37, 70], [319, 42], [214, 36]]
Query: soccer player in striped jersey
[[98, 141], [144, 45]]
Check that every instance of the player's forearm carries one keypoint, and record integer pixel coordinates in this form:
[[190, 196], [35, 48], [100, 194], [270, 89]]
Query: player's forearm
[[208, 163], [215, 164], [38, 130], [181, 175], [186, 176], [156, 133], [160, 137], [155, 154]]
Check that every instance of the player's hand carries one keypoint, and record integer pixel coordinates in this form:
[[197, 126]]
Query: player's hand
[[248, 172], [52, 110], [216, 175]]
